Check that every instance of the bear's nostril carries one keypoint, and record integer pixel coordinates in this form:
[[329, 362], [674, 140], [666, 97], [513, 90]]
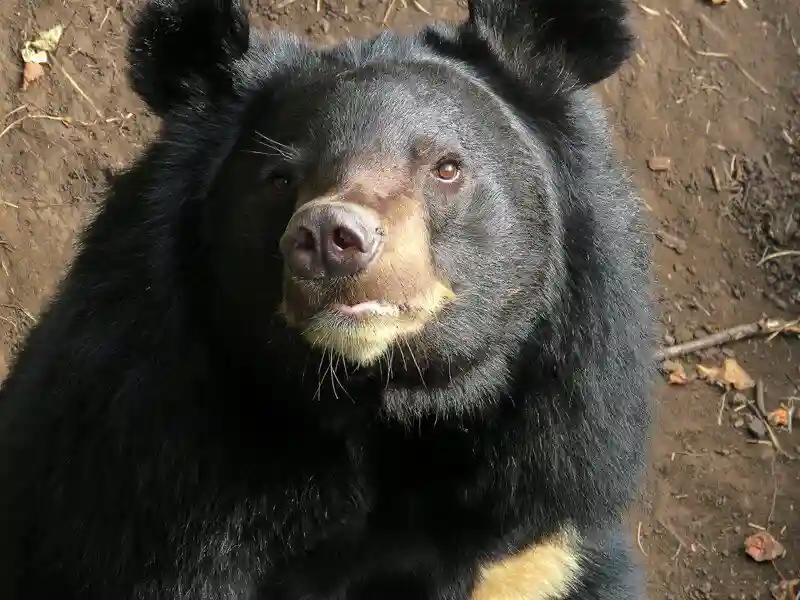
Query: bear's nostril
[[347, 239], [328, 240], [305, 240]]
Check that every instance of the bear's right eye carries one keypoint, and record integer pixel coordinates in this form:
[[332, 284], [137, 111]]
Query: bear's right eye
[[279, 181]]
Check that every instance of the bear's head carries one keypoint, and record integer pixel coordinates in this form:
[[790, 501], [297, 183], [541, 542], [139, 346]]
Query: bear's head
[[398, 201]]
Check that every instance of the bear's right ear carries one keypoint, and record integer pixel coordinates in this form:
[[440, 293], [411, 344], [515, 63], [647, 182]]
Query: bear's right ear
[[589, 38], [182, 48]]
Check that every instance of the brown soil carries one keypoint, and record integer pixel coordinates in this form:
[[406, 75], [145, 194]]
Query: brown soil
[[709, 487]]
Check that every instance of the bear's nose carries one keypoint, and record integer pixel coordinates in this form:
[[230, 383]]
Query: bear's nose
[[329, 240]]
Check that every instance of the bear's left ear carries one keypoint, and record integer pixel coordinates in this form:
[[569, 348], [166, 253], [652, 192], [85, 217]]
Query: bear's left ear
[[182, 48], [590, 38]]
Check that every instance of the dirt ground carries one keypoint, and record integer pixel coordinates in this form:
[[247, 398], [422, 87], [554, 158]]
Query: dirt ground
[[715, 89]]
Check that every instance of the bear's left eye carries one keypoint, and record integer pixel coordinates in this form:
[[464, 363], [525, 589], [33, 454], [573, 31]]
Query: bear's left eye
[[447, 170]]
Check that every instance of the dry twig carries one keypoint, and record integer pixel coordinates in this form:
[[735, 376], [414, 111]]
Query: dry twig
[[105, 18], [419, 7], [668, 526], [389, 9], [761, 412], [774, 493], [639, 538], [752, 79], [12, 125], [722, 403], [780, 254], [647, 10], [734, 334], [78, 88]]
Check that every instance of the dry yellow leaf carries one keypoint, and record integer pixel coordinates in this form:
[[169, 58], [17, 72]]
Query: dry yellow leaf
[[36, 51], [31, 55], [676, 372], [729, 375], [48, 40]]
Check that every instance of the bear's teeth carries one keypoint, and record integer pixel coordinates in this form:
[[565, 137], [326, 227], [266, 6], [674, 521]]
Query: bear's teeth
[[367, 307]]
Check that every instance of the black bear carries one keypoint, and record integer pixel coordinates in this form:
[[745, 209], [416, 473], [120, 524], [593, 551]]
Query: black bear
[[364, 323]]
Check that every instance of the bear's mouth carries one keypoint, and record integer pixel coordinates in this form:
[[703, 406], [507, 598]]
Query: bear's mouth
[[359, 329], [366, 310]]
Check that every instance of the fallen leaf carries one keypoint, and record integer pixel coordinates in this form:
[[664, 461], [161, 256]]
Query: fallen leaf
[[678, 378], [48, 40], [36, 51], [676, 372], [659, 163], [730, 374], [779, 417], [31, 55], [31, 73], [762, 547]]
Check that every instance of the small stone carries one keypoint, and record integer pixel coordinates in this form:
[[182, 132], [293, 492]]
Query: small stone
[[738, 423], [673, 242], [669, 340], [659, 164], [756, 427]]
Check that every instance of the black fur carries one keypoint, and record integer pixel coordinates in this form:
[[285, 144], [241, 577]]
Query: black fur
[[163, 435], [184, 49]]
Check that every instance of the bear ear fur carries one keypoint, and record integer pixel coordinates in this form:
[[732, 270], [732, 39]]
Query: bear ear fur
[[590, 38], [182, 48]]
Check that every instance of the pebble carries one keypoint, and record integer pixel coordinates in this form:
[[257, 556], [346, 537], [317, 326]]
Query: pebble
[[659, 163], [756, 427], [673, 242]]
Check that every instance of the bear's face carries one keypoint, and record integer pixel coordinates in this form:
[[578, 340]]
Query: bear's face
[[400, 193], [390, 205]]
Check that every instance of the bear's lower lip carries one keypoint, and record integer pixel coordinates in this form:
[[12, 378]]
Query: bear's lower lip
[[366, 309]]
